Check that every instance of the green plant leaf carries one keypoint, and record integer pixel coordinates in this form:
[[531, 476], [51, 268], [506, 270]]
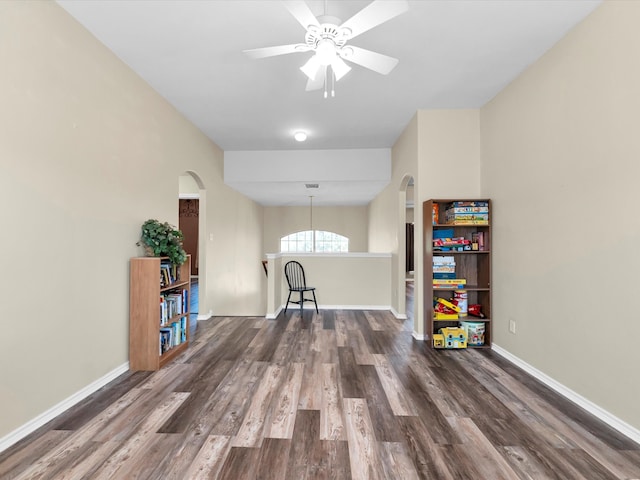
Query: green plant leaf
[[164, 239]]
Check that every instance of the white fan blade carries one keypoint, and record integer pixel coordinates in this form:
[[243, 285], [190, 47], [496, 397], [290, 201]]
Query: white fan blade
[[373, 61], [318, 83], [374, 14], [302, 13], [273, 51], [340, 69], [311, 68]]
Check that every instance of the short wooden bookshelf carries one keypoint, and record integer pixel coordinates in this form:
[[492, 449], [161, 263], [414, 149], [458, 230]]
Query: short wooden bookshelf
[[158, 311]]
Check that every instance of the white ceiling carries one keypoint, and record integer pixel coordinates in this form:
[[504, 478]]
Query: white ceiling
[[453, 54]]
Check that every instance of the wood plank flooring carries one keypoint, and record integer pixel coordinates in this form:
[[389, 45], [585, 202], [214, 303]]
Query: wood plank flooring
[[334, 395]]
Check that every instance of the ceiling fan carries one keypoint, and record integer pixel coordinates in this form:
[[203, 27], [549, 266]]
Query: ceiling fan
[[327, 37]]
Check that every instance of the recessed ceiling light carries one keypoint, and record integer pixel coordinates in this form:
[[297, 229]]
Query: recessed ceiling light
[[300, 136]]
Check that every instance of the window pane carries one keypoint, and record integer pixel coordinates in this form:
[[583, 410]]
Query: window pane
[[324, 242]]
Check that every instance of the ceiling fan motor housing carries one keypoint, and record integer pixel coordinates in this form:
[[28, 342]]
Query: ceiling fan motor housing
[[328, 29], [326, 36]]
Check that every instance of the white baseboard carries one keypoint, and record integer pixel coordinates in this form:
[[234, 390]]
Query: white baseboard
[[205, 316], [418, 336], [32, 425], [399, 316], [354, 307], [271, 316], [608, 418]]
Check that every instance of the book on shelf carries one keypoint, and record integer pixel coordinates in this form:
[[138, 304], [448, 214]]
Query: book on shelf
[[468, 219], [467, 213], [164, 277], [444, 268], [480, 238], [172, 304], [444, 259], [169, 273], [177, 337], [443, 233], [450, 242], [472, 203], [166, 340], [185, 301], [453, 210], [184, 325], [448, 283], [467, 216], [444, 275], [173, 335]]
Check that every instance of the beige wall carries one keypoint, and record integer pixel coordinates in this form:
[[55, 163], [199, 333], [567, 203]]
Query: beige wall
[[387, 212], [449, 167], [89, 151], [342, 280], [441, 150], [561, 154], [187, 186], [350, 222], [410, 201], [409, 215]]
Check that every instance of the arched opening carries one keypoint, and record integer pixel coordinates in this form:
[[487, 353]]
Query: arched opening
[[192, 222], [406, 249]]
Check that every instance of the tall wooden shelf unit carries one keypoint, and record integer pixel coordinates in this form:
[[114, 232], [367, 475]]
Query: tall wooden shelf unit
[[474, 266], [145, 319]]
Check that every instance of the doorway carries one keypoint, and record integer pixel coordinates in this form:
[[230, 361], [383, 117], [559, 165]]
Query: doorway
[[192, 223], [188, 211], [406, 248]]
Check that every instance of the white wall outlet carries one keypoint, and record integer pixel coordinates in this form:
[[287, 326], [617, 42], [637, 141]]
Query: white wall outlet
[[512, 326]]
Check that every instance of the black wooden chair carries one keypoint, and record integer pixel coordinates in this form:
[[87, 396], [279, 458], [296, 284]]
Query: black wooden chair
[[297, 283]]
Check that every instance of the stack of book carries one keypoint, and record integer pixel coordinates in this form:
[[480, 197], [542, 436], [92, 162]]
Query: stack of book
[[444, 267], [467, 213], [449, 244], [449, 283]]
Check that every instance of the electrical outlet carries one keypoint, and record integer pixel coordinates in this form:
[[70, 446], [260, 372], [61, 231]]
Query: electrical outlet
[[512, 326]]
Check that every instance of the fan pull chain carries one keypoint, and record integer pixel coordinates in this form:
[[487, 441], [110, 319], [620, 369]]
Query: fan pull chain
[[330, 76], [325, 82], [333, 84]]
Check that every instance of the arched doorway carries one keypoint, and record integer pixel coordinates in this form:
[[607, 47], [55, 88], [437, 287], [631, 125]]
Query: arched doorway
[[406, 248], [192, 223]]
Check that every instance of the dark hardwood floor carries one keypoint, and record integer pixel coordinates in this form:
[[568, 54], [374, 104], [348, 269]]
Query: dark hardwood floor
[[335, 395]]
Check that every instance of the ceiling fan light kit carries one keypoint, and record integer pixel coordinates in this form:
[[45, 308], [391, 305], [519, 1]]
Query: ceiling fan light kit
[[326, 37]]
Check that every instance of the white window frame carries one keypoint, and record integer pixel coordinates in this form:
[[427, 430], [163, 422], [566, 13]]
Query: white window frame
[[308, 241]]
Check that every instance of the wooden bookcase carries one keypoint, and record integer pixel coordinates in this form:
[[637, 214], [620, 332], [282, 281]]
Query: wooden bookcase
[[472, 265], [145, 317]]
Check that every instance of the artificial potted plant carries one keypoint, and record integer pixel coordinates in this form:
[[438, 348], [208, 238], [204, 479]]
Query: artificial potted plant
[[162, 240]]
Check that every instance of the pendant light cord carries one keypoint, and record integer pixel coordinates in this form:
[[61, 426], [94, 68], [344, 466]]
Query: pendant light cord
[[313, 233]]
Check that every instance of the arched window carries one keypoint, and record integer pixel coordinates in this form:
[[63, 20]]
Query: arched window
[[314, 241]]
